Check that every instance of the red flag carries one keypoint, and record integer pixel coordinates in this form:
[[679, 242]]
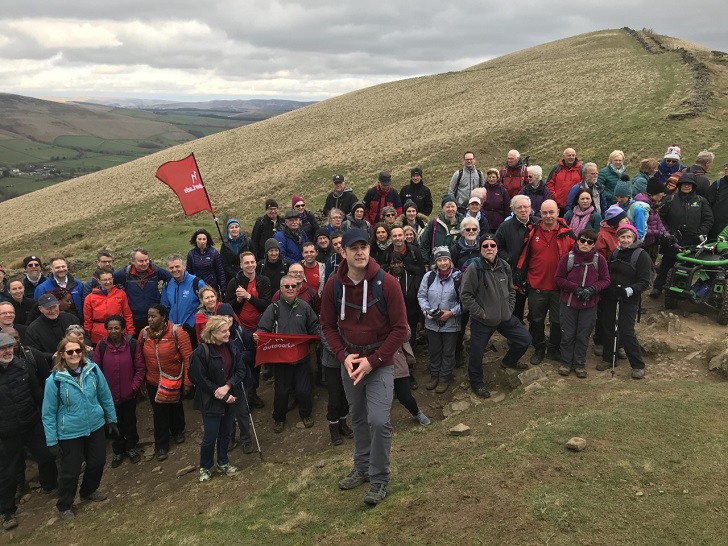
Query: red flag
[[281, 348], [184, 178]]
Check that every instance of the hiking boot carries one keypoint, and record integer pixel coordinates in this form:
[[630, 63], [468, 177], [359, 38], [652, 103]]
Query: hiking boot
[[598, 350], [564, 370], [205, 475], [248, 447], [413, 383], [423, 419], [601, 366], [432, 383], [538, 356], [66, 514], [442, 386], [517, 366], [162, 454], [116, 460], [377, 492], [638, 373], [335, 434], [96, 496], [553, 354], [134, 455], [278, 427], [256, 401], [580, 372], [10, 522], [481, 392], [227, 469], [179, 438], [344, 429], [621, 355], [307, 421], [656, 292], [353, 479]]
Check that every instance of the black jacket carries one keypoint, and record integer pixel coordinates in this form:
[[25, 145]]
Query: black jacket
[[20, 399], [701, 179], [273, 271], [262, 284], [263, 229], [687, 216], [231, 260], [207, 373], [342, 202], [45, 334], [510, 236], [419, 194], [718, 201], [622, 274], [30, 287]]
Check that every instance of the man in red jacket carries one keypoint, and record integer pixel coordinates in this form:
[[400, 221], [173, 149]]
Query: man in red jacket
[[546, 242], [379, 196], [365, 339], [563, 177]]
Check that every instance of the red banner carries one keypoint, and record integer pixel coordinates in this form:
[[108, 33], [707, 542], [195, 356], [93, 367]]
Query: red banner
[[184, 178], [282, 348]]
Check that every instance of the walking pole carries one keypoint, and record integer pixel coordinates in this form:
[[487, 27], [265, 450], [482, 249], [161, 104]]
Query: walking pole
[[252, 424], [616, 331]]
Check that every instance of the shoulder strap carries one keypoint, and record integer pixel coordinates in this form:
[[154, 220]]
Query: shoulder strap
[[276, 314], [176, 339], [570, 261], [430, 278], [145, 335], [196, 285], [102, 350], [132, 345], [460, 176], [206, 350]]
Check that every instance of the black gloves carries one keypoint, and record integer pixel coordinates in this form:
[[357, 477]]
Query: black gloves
[[579, 292], [586, 293]]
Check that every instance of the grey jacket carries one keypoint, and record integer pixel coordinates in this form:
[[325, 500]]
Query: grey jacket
[[471, 179], [440, 295], [298, 318], [488, 295]]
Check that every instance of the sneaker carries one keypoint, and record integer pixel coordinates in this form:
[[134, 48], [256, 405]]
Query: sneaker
[[66, 514], [481, 392], [656, 293], [179, 438], [307, 421], [353, 479], [10, 522], [278, 427], [134, 455], [638, 373], [538, 356], [423, 419], [377, 492], [442, 386], [601, 366], [564, 370], [580, 372], [432, 383], [598, 350], [517, 366], [248, 447], [96, 496], [227, 469], [162, 454], [116, 460], [205, 475]]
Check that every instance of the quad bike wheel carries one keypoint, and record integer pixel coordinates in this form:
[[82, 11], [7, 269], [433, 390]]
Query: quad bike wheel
[[723, 311]]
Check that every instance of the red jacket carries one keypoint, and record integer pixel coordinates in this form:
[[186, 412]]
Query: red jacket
[[606, 240], [376, 199], [561, 179], [540, 272], [97, 307], [163, 353], [514, 178]]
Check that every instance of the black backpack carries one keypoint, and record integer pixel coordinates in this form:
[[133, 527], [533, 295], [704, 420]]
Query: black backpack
[[132, 348]]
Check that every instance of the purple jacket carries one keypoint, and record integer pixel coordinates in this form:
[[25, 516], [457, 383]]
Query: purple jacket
[[569, 281], [497, 205], [655, 227], [123, 371], [538, 196]]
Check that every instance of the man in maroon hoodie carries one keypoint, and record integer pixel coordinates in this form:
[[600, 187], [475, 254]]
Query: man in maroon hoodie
[[365, 339]]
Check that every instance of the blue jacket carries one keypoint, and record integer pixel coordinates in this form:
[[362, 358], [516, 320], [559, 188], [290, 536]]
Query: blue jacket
[[72, 409], [74, 287], [207, 264], [441, 294], [289, 248], [181, 299], [142, 292], [575, 188]]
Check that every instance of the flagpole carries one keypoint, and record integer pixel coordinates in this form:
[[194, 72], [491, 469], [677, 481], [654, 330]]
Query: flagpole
[[207, 196]]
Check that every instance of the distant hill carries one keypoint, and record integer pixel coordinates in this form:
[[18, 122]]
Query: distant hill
[[597, 92], [276, 105]]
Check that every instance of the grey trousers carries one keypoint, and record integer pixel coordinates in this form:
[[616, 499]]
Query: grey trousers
[[370, 404], [442, 353], [576, 327]]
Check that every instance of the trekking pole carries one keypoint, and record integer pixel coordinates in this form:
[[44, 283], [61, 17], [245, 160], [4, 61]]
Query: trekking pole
[[252, 424], [616, 331]]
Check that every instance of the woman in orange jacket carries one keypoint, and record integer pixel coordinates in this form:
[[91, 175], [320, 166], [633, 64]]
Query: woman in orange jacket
[[104, 301]]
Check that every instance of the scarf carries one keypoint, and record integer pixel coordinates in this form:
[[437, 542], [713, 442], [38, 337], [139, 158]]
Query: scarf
[[580, 219], [618, 171], [296, 236], [385, 245]]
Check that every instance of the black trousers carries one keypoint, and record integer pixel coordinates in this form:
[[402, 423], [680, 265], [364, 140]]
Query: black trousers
[[338, 406], [403, 392], [627, 338], [298, 376], [168, 418], [541, 303], [91, 449], [12, 454], [127, 423]]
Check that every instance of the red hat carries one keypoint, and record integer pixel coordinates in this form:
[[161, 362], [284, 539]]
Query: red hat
[[296, 199]]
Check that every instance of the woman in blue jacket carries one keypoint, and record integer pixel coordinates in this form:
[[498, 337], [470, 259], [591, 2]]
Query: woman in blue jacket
[[205, 262], [76, 405]]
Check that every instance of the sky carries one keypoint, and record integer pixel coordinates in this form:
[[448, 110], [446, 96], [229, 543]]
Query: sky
[[298, 50]]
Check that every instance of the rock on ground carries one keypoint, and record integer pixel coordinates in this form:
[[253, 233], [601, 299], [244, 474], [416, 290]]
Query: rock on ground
[[460, 430], [576, 444]]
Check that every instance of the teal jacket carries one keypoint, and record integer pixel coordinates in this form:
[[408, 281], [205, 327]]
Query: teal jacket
[[75, 409]]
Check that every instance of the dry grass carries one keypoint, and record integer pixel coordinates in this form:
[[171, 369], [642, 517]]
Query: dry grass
[[596, 92]]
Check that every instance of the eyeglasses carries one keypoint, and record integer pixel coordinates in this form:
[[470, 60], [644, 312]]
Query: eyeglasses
[[300, 205], [295, 272], [72, 352], [33, 265], [671, 161], [586, 241], [469, 159], [471, 229], [288, 286], [488, 245]]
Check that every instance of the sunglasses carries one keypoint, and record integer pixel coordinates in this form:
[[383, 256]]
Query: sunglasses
[[671, 161], [33, 265], [390, 214], [300, 205], [488, 245], [586, 241], [74, 352], [288, 286], [471, 229]]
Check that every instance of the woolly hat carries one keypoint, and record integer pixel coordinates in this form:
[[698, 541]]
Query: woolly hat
[[385, 179], [416, 170], [628, 227], [271, 204], [409, 203], [673, 152], [6, 340], [622, 189], [441, 252], [447, 198], [296, 199], [357, 205], [29, 259], [322, 231], [230, 222], [654, 186], [687, 178], [613, 215], [225, 309], [290, 214], [271, 243]]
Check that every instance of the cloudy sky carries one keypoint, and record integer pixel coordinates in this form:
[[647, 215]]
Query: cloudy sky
[[303, 50]]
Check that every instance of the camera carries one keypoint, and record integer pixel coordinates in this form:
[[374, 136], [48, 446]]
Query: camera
[[435, 314]]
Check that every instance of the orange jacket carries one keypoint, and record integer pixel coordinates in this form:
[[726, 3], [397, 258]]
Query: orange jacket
[[97, 307], [163, 353]]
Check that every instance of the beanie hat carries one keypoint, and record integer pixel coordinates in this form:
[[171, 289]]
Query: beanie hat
[[271, 243], [271, 203], [613, 215], [322, 231], [687, 178], [29, 259], [409, 203], [385, 179], [357, 205], [416, 170], [225, 309], [622, 189], [230, 222], [673, 152], [447, 198], [628, 227], [296, 199], [654, 186], [441, 252]]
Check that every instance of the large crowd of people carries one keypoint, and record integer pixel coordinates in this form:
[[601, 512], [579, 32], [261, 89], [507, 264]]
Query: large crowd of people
[[507, 251]]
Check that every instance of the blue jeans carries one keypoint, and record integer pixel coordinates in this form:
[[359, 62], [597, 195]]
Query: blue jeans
[[217, 431], [480, 334]]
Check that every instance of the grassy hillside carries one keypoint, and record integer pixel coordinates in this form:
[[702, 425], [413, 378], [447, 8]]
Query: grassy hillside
[[595, 92]]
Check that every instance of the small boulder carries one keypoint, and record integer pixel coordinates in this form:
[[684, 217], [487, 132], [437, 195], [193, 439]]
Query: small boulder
[[460, 405], [532, 374], [576, 444], [186, 470], [460, 430]]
